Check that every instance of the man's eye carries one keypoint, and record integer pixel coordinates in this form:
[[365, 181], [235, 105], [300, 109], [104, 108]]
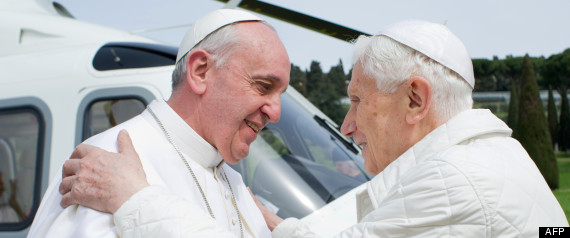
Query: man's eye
[[263, 87]]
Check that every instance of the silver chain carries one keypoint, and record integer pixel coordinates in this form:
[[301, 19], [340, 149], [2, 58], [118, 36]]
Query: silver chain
[[194, 176], [234, 203]]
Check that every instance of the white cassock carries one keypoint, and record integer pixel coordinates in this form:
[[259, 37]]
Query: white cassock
[[170, 180]]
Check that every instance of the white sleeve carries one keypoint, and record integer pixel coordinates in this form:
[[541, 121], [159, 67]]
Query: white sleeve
[[153, 212], [293, 228], [433, 200]]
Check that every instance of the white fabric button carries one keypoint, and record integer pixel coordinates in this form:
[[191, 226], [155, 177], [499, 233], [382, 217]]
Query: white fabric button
[[227, 195], [234, 221]]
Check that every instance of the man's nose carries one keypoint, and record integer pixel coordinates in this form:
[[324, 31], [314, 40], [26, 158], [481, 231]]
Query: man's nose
[[348, 125], [273, 108]]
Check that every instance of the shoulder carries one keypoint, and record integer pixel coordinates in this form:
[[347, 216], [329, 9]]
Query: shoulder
[[108, 139]]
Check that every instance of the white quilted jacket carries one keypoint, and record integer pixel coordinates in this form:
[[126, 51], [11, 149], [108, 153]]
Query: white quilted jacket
[[467, 178]]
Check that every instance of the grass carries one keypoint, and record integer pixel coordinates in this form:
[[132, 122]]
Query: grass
[[563, 191]]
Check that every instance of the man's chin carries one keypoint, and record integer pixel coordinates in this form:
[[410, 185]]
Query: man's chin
[[370, 168], [235, 158], [232, 161]]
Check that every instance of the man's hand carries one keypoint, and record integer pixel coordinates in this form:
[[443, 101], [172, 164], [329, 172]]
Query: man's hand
[[102, 180], [271, 218]]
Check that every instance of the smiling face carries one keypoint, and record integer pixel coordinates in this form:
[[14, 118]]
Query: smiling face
[[245, 94], [376, 121]]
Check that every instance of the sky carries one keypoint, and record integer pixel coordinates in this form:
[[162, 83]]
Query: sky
[[488, 28]]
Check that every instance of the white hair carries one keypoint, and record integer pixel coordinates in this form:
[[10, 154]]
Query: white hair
[[391, 63]]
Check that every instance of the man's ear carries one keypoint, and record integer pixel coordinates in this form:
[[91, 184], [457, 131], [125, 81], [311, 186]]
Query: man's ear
[[197, 65], [419, 94]]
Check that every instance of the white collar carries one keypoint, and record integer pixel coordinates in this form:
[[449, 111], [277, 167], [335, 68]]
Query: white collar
[[188, 141]]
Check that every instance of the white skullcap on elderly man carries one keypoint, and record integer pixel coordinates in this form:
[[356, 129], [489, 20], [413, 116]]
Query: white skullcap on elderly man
[[435, 41], [210, 23]]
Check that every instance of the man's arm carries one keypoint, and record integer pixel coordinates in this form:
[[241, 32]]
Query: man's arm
[[153, 212]]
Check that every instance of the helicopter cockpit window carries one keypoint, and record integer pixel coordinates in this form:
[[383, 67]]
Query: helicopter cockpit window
[[104, 114], [21, 136], [133, 55]]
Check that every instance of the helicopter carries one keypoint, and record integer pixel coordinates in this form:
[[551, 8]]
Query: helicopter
[[63, 80]]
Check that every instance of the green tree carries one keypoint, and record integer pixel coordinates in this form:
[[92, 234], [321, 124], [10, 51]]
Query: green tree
[[532, 129], [336, 91], [556, 72], [321, 92], [564, 122], [338, 79], [552, 117], [484, 75], [298, 79], [512, 71], [513, 106], [315, 82], [501, 74]]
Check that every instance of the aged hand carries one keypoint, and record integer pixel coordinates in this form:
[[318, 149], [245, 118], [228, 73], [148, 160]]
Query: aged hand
[[102, 180], [271, 218]]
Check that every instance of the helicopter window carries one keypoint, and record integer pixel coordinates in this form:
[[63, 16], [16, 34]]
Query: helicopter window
[[104, 114], [133, 55], [21, 146]]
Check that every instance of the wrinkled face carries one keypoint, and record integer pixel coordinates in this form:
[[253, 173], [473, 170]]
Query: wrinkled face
[[375, 121], [245, 94]]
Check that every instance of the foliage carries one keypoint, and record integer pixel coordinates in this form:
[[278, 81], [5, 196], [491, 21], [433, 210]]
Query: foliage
[[513, 107], [552, 117], [496, 75], [324, 90], [556, 70], [531, 129], [298, 79]]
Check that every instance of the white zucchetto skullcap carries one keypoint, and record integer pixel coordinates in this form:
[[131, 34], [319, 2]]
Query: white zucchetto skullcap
[[210, 23], [435, 41]]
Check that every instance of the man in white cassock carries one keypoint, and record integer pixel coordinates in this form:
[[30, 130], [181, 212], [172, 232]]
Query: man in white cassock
[[231, 70]]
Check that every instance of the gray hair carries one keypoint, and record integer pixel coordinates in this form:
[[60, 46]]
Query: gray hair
[[392, 63], [220, 44]]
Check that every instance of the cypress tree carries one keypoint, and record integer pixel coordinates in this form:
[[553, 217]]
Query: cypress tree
[[336, 90], [338, 79], [513, 106], [552, 117], [315, 82], [564, 122], [532, 129]]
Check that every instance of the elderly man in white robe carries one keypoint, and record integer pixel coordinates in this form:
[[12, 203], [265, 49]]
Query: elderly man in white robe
[[231, 71], [443, 169]]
